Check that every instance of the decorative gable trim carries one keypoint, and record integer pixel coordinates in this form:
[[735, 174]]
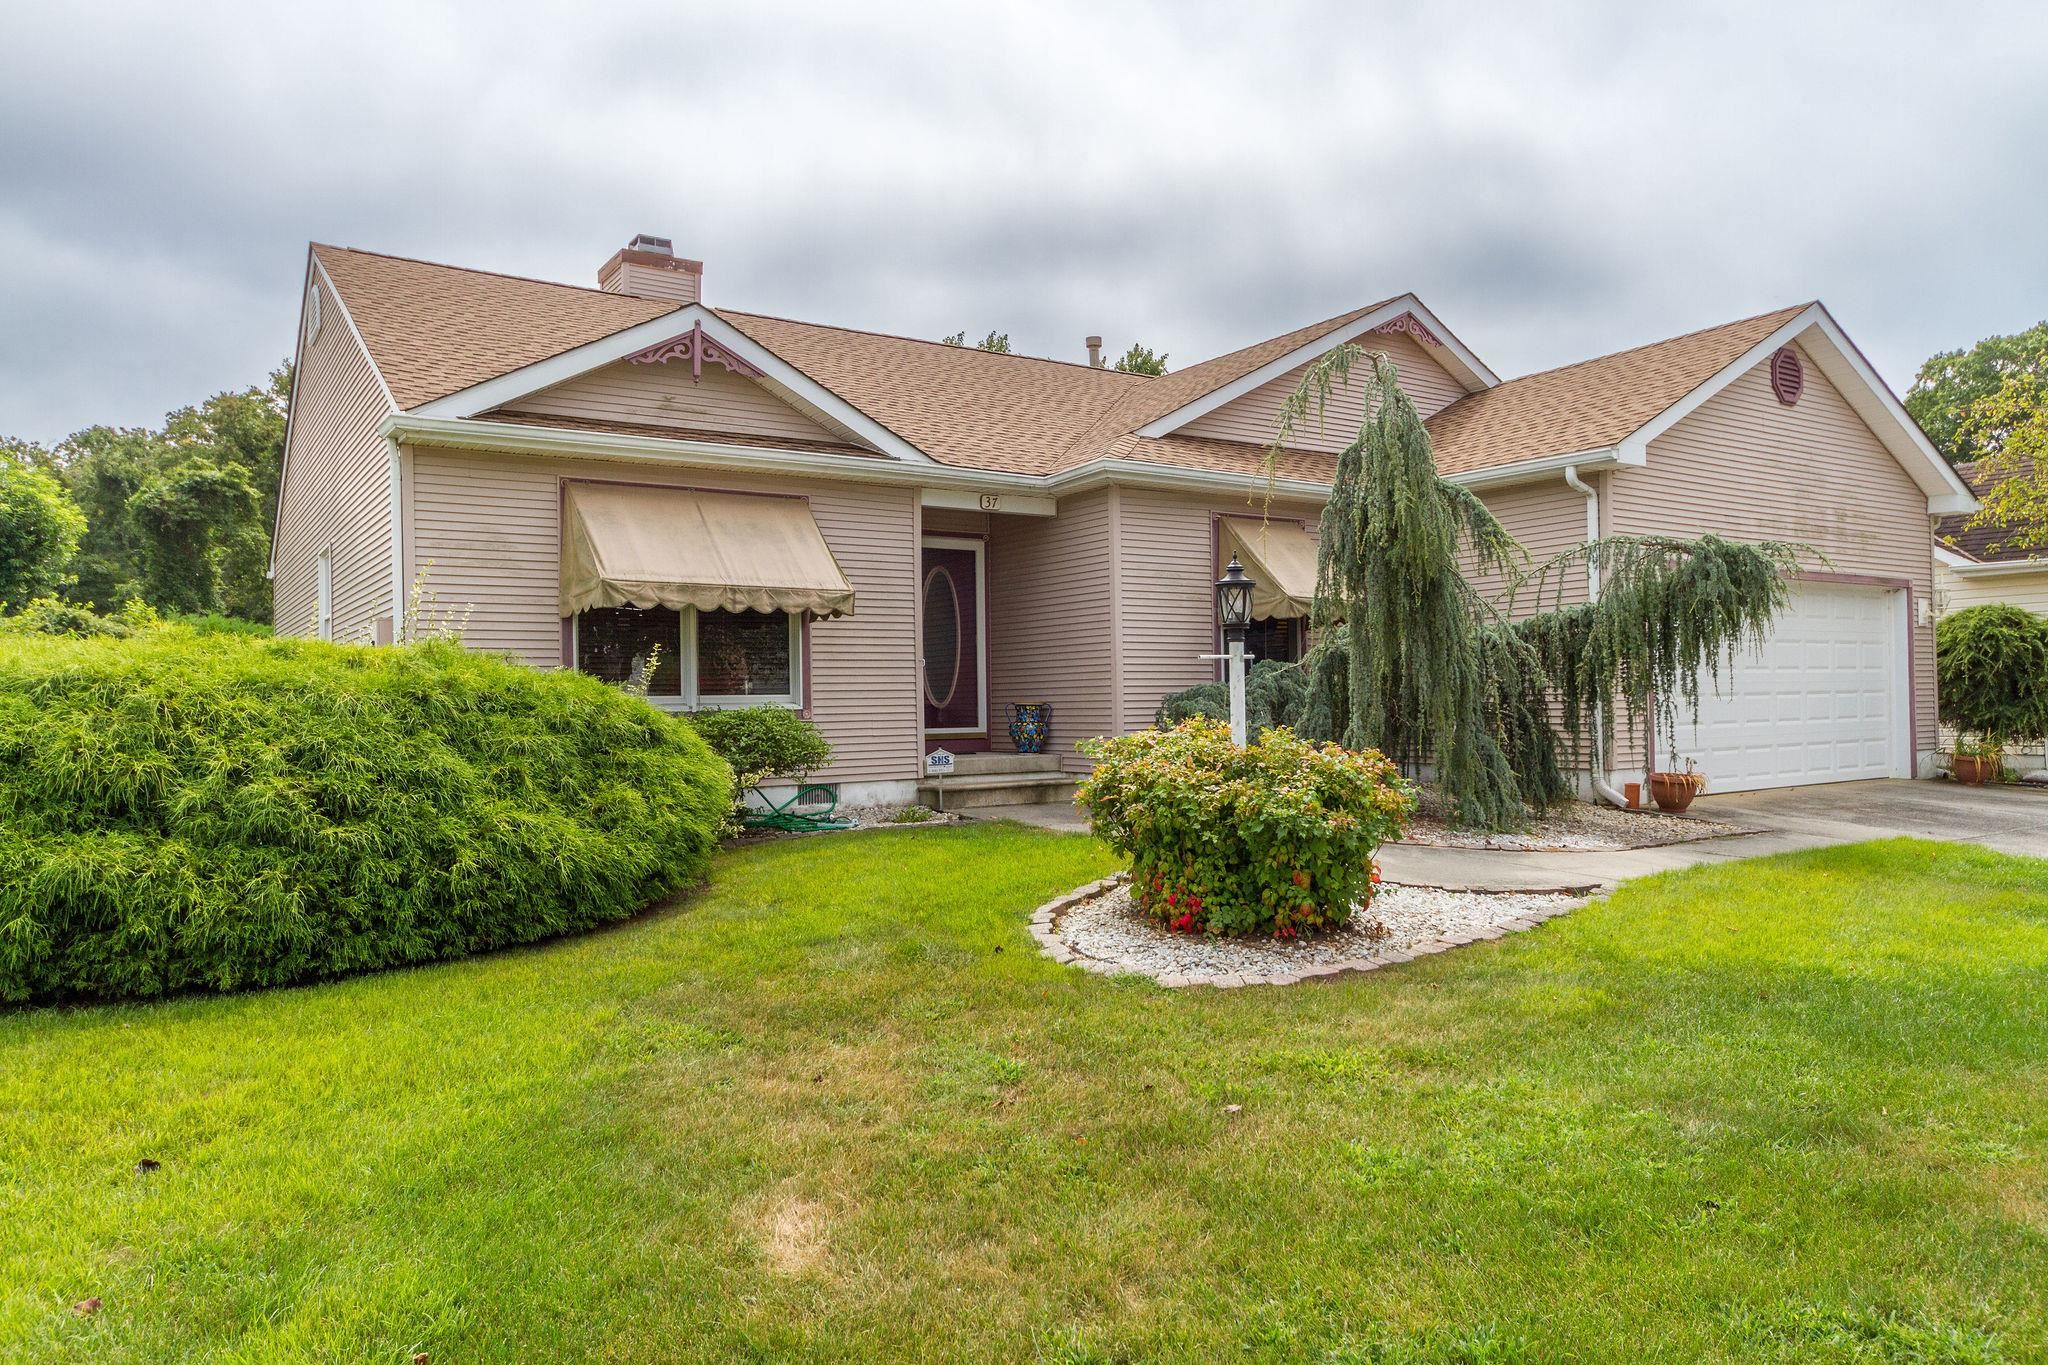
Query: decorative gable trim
[[698, 325], [696, 348], [1404, 314]]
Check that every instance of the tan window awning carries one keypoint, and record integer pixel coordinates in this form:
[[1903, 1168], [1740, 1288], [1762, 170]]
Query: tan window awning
[[1281, 558], [630, 546]]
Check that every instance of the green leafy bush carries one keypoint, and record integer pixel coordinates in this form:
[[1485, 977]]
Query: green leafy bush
[[55, 616], [1274, 695], [184, 812], [1274, 837], [760, 742], [1992, 666], [39, 530]]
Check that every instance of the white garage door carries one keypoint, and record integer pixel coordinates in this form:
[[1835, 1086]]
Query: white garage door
[[1824, 700]]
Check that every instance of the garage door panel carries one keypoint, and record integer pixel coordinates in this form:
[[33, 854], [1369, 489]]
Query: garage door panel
[[1820, 701]]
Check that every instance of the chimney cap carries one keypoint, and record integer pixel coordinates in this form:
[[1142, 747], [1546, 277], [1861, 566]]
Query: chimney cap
[[648, 242]]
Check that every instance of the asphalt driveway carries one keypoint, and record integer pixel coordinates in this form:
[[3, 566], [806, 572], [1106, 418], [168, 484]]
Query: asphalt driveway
[[2003, 818]]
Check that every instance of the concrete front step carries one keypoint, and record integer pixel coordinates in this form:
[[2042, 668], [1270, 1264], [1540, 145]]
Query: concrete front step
[[998, 789], [990, 764]]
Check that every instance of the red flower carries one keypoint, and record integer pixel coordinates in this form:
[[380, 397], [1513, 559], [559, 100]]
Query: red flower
[[1194, 902]]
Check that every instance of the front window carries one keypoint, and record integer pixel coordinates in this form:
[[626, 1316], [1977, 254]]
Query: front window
[[1275, 637], [702, 658]]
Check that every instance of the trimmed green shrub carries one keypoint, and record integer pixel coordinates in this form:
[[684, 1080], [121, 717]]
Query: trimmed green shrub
[[1992, 666], [1271, 838], [760, 742], [180, 812], [1275, 694]]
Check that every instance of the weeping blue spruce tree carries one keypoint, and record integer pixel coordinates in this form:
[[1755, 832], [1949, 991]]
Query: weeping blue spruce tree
[[1412, 659]]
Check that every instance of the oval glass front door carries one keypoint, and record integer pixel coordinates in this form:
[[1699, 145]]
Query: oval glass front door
[[944, 647]]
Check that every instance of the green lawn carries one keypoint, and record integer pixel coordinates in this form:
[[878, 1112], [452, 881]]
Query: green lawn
[[837, 1106]]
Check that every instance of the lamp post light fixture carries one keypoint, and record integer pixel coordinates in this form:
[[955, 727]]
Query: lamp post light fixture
[[1234, 610]]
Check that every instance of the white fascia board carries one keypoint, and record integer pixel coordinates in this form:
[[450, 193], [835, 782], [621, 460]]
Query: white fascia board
[[558, 369], [1525, 471], [1477, 376], [1996, 568], [1146, 474], [470, 433]]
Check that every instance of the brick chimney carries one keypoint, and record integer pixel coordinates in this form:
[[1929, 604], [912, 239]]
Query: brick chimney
[[648, 268]]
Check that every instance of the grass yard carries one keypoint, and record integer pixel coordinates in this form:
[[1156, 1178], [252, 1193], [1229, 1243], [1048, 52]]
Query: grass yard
[[838, 1107]]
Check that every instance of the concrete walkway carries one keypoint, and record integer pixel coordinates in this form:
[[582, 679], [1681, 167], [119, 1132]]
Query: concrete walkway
[[2002, 818]]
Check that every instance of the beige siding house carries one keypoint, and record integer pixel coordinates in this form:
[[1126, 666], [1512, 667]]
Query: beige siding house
[[936, 535]]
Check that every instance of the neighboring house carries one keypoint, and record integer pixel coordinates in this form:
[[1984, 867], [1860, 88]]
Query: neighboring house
[[904, 538], [1974, 565]]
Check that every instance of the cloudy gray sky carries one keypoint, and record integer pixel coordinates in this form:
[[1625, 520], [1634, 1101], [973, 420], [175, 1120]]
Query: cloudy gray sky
[[1554, 180]]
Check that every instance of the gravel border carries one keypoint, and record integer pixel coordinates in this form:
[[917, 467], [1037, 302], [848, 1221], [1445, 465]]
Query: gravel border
[[1294, 963], [1577, 827]]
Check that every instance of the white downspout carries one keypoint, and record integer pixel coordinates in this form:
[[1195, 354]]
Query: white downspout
[[1601, 786]]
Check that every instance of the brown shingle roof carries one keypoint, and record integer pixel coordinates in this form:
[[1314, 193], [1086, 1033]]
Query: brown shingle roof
[[1985, 544], [958, 404], [1180, 387], [1591, 405], [434, 330]]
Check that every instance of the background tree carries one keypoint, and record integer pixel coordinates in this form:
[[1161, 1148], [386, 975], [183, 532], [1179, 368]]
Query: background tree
[[1953, 383], [39, 530], [180, 517], [1141, 360], [2014, 477], [994, 341]]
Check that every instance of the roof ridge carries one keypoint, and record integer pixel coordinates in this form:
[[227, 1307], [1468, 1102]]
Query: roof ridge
[[494, 274], [926, 341], [1647, 345]]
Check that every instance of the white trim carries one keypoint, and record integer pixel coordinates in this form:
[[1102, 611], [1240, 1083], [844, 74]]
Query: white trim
[[398, 481], [979, 549], [1464, 366], [476, 433], [1945, 489], [1965, 567], [557, 369]]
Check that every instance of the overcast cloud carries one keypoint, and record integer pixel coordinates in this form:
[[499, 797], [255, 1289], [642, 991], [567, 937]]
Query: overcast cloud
[[1554, 181]]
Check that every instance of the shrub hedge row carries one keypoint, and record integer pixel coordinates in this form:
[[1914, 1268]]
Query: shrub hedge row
[[184, 811]]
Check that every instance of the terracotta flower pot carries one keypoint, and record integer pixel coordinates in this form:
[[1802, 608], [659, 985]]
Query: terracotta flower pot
[[1673, 792], [1972, 770]]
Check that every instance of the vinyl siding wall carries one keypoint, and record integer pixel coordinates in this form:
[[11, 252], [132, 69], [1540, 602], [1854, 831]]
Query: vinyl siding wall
[[1255, 417], [1746, 467], [337, 488], [1166, 545], [487, 529], [665, 396], [1956, 591], [1052, 620]]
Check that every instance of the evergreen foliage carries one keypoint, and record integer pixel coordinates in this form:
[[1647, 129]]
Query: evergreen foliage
[[206, 812], [1992, 666], [1411, 660]]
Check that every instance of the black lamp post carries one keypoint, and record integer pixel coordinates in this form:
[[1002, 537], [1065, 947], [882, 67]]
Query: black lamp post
[[1234, 602]]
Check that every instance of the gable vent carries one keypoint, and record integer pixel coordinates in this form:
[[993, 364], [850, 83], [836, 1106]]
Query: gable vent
[[1788, 375]]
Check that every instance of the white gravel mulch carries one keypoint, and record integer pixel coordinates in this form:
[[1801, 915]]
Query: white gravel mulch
[[1576, 826], [1108, 932]]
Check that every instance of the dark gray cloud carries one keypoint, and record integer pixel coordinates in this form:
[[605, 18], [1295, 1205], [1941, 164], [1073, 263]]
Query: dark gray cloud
[[1556, 181]]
